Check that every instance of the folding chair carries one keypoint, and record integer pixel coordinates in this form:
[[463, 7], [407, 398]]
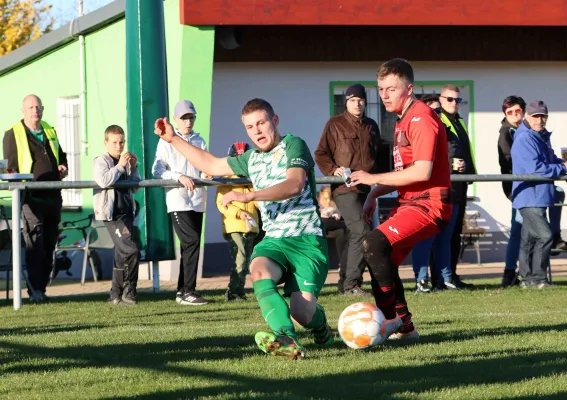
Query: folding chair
[[98, 238], [82, 225], [95, 237]]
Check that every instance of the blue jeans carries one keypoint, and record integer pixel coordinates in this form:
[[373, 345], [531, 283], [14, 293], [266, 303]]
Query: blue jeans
[[513, 249], [441, 247]]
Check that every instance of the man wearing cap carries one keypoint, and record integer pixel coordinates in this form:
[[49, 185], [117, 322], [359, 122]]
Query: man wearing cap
[[350, 140], [532, 154], [186, 204]]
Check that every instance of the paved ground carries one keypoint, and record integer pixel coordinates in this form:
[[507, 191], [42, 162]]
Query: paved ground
[[65, 287]]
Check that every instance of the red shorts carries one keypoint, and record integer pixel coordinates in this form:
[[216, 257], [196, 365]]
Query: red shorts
[[408, 225]]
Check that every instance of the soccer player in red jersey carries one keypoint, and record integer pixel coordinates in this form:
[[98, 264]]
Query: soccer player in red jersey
[[422, 179]]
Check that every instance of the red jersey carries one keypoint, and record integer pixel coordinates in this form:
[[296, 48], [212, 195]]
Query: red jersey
[[420, 136]]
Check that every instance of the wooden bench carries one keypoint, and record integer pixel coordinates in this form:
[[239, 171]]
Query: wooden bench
[[471, 235]]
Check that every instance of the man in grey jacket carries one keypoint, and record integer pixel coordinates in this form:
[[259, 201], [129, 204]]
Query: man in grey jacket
[[116, 207]]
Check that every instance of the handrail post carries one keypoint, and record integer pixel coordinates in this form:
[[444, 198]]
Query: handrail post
[[16, 250], [155, 275]]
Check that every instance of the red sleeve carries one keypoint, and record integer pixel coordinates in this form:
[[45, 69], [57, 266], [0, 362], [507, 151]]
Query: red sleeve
[[423, 132]]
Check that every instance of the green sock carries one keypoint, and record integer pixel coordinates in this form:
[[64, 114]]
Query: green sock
[[274, 308], [319, 320]]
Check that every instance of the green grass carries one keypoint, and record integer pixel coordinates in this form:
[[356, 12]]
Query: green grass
[[483, 344]]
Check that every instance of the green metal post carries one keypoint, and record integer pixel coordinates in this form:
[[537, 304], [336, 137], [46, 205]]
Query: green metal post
[[146, 85]]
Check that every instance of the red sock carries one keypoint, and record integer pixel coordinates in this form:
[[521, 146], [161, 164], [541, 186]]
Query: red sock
[[385, 297], [405, 315]]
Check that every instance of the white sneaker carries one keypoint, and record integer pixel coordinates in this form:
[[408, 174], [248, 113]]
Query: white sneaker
[[390, 326], [413, 334], [192, 299]]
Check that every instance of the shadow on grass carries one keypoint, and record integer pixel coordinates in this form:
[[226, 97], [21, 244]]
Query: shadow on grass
[[151, 355], [494, 367], [377, 382], [47, 329]]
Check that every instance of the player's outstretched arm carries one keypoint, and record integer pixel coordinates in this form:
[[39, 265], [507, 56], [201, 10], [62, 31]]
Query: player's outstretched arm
[[420, 171], [201, 159]]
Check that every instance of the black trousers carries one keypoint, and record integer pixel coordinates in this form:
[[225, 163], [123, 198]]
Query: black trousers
[[41, 230], [456, 238], [350, 206], [126, 254], [188, 226]]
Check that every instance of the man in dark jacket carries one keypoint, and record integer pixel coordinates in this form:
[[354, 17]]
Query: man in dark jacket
[[350, 140], [514, 108], [31, 147], [462, 162], [532, 154]]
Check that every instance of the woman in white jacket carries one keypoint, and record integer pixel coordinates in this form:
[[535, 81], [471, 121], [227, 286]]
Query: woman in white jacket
[[185, 205]]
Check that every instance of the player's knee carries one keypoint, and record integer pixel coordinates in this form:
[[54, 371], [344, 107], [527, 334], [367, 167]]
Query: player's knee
[[259, 270], [377, 252], [376, 244]]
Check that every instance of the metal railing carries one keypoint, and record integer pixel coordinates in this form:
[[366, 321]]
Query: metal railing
[[17, 187]]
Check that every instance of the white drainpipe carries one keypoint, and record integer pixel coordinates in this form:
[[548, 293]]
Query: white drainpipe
[[84, 143]]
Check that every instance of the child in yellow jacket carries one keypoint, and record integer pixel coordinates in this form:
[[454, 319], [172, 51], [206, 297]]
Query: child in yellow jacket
[[240, 227]]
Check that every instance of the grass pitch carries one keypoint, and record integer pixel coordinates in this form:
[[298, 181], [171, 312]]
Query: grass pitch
[[483, 344]]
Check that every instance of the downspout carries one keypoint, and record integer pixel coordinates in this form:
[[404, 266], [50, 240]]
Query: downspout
[[82, 94]]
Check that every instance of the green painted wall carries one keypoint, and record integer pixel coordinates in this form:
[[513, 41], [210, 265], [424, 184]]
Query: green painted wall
[[190, 52], [189, 66]]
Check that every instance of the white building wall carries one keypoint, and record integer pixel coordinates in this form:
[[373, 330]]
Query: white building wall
[[299, 93]]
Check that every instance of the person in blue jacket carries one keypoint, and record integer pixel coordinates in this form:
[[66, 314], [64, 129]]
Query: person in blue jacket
[[532, 154]]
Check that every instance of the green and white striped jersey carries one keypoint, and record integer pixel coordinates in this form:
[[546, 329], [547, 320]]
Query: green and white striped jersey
[[297, 216]]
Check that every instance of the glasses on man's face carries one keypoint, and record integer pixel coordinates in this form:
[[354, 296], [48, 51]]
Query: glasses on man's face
[[517, 112], [188, 118], [452, 99]]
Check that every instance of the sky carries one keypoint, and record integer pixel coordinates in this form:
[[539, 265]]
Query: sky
[[63, 11]]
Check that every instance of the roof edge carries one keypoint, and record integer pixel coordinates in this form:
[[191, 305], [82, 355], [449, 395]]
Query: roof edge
[[68, 33]]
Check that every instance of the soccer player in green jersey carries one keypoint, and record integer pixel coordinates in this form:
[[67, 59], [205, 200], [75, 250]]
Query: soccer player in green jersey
[[294, 250]]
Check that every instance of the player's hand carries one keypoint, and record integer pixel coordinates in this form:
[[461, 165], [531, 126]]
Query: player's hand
[[339, 171], [187, 182], [368, 209], [361, 177], [235, 196], [63, 171], [124, 158], [245, 216], [336, 216], [462, 166], [164, 129]]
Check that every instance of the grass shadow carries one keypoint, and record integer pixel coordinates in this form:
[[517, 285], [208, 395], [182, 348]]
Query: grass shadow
[[380, 383]]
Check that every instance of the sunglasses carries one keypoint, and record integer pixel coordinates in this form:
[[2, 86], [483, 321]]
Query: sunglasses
[[452, 99], [514, 112], [188, 118]]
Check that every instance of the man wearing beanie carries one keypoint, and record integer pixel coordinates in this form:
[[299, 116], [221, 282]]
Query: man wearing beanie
[[350, 140]]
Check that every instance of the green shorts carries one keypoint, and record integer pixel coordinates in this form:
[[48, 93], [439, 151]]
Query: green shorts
[[304, 260]]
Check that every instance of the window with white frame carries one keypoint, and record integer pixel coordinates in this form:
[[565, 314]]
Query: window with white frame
[[69, 135]]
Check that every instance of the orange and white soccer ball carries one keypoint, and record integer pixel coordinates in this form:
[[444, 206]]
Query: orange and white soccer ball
[[359, 325]]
